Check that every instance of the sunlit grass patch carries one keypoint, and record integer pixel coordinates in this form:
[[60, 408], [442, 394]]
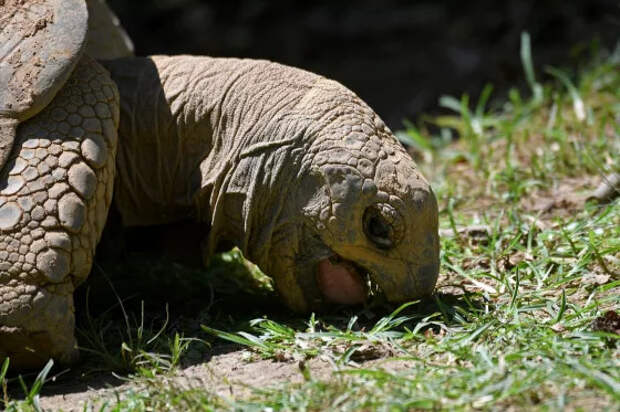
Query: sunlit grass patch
[[518, 304]]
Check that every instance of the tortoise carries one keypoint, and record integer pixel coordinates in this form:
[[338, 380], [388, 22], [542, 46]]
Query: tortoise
[[291, 167]]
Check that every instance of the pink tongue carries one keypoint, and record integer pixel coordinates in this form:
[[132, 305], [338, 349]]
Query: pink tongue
[[340, 283]]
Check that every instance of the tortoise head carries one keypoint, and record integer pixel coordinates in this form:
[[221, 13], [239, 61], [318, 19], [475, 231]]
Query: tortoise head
[[367, 214]]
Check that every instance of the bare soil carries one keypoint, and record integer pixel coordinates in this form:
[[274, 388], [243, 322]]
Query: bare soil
[[231, 372], [229, 375]]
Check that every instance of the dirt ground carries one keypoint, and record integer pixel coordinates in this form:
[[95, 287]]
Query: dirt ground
[[230, 371], [229, 375]]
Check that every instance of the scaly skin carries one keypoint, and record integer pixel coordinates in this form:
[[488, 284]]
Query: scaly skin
[[55, 192], [291, 167]]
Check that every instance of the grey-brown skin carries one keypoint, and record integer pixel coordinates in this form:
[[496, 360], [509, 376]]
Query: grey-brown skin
[[57, 167], [55, 191], [291, 167]]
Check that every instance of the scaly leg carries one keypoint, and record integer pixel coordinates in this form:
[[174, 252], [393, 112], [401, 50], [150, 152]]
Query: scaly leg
[[55, 192]]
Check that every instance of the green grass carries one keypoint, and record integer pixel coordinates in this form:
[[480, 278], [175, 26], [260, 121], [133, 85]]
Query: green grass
[[515, 323]]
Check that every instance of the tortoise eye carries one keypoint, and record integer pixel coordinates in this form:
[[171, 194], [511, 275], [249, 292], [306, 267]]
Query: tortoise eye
[[378, 230]]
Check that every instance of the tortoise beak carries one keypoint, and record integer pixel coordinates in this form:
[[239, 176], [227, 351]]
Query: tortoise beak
[[411, 283]]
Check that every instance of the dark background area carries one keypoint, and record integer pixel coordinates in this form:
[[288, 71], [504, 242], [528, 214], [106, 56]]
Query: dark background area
[[399, 56]]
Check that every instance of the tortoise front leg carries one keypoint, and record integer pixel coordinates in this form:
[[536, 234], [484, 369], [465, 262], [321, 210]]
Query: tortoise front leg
[[55, 192]]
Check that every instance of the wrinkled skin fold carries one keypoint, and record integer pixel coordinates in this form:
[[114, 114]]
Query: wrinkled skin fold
[[291, 167]]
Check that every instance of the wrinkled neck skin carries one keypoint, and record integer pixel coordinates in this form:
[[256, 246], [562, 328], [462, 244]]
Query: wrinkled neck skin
[[214, 139], [290, 167]]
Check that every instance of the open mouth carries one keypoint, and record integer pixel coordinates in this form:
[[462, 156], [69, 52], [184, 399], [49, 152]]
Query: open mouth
[[342, 281]]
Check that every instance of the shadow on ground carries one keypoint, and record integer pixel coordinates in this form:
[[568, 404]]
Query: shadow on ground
[[136, 305]]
